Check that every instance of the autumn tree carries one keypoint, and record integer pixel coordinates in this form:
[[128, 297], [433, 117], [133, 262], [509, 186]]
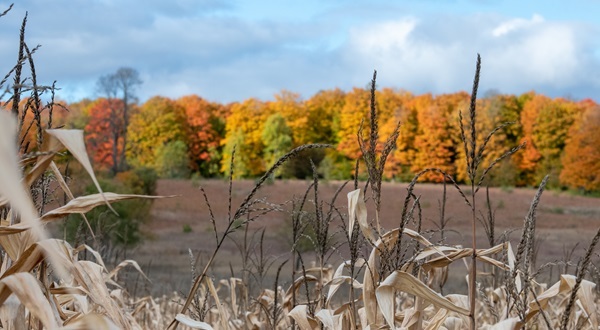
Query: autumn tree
[[244, 128], [121, 85], [158, 122], [206, 128], [496, 110], [355, 110], [294, 113], [529, 157], [78, 115], [104, 133], [393, 108], [581, 159], [236, 156], [323, 111], [34, 117], [436, 141], [546, 123]]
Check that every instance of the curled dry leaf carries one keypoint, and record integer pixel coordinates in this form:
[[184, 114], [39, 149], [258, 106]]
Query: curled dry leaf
[[404, 282], [85, 204], [339, 279], [330, 320], [303, 320], [27, 289], [564, 286], [95, 253], [123, 264], [357, 210], [90, 276], [192, 323], [287, 301], [73, 140], [371, 277], [35, 253]]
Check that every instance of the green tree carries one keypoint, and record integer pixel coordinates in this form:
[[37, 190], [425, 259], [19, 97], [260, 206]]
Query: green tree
[[172, 160], [236, 142], [277, 138], [115, 233]]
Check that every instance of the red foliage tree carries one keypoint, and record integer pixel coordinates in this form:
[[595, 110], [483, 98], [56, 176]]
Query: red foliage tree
[[104, 133], [206, 127]]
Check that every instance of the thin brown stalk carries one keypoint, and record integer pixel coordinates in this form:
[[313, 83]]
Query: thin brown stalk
[[581, 272], [232, 224], [472, 172], [17, 79], [7, 10]]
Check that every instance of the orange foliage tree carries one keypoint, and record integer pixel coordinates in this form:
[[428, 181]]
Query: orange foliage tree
[[393, 107], [436, 142], [35, 117], [355, 109], [581, 159], [529, 157]]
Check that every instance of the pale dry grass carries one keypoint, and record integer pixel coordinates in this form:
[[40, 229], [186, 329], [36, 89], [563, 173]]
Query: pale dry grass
[[391, 280]]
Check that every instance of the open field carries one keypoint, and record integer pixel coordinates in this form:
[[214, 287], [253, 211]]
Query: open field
[[563, 221]]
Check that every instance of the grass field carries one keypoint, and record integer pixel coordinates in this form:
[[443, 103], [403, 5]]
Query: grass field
[[564, 220]]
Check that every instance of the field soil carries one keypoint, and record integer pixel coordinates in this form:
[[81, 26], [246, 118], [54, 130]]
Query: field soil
[[182, 224]]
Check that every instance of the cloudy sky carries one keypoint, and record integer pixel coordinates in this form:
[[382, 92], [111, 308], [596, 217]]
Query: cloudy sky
[[230, 50]]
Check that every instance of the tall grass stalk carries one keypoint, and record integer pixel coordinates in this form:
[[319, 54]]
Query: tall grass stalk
[[236, 221]]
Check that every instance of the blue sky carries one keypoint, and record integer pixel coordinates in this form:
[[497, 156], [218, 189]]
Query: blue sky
[[232, 50]]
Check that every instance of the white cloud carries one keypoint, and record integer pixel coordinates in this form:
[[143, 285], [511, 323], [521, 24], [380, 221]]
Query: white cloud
[[384, 37], [516, 24], [437, 55], [187, 48], [550, 55]]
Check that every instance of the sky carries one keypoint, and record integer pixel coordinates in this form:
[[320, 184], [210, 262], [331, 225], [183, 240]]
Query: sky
[[231, 50]]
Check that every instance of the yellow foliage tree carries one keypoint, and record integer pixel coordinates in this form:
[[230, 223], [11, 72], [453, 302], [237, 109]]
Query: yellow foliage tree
[[159, 121], [356, 108], [244, 128]]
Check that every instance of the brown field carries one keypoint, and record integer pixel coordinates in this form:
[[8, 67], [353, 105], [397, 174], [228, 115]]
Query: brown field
[[563, 220]]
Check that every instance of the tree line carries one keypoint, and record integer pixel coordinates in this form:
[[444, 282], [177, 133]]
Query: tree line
[[179, 137]]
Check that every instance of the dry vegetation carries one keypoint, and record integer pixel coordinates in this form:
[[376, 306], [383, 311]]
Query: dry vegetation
[[391, 274]]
